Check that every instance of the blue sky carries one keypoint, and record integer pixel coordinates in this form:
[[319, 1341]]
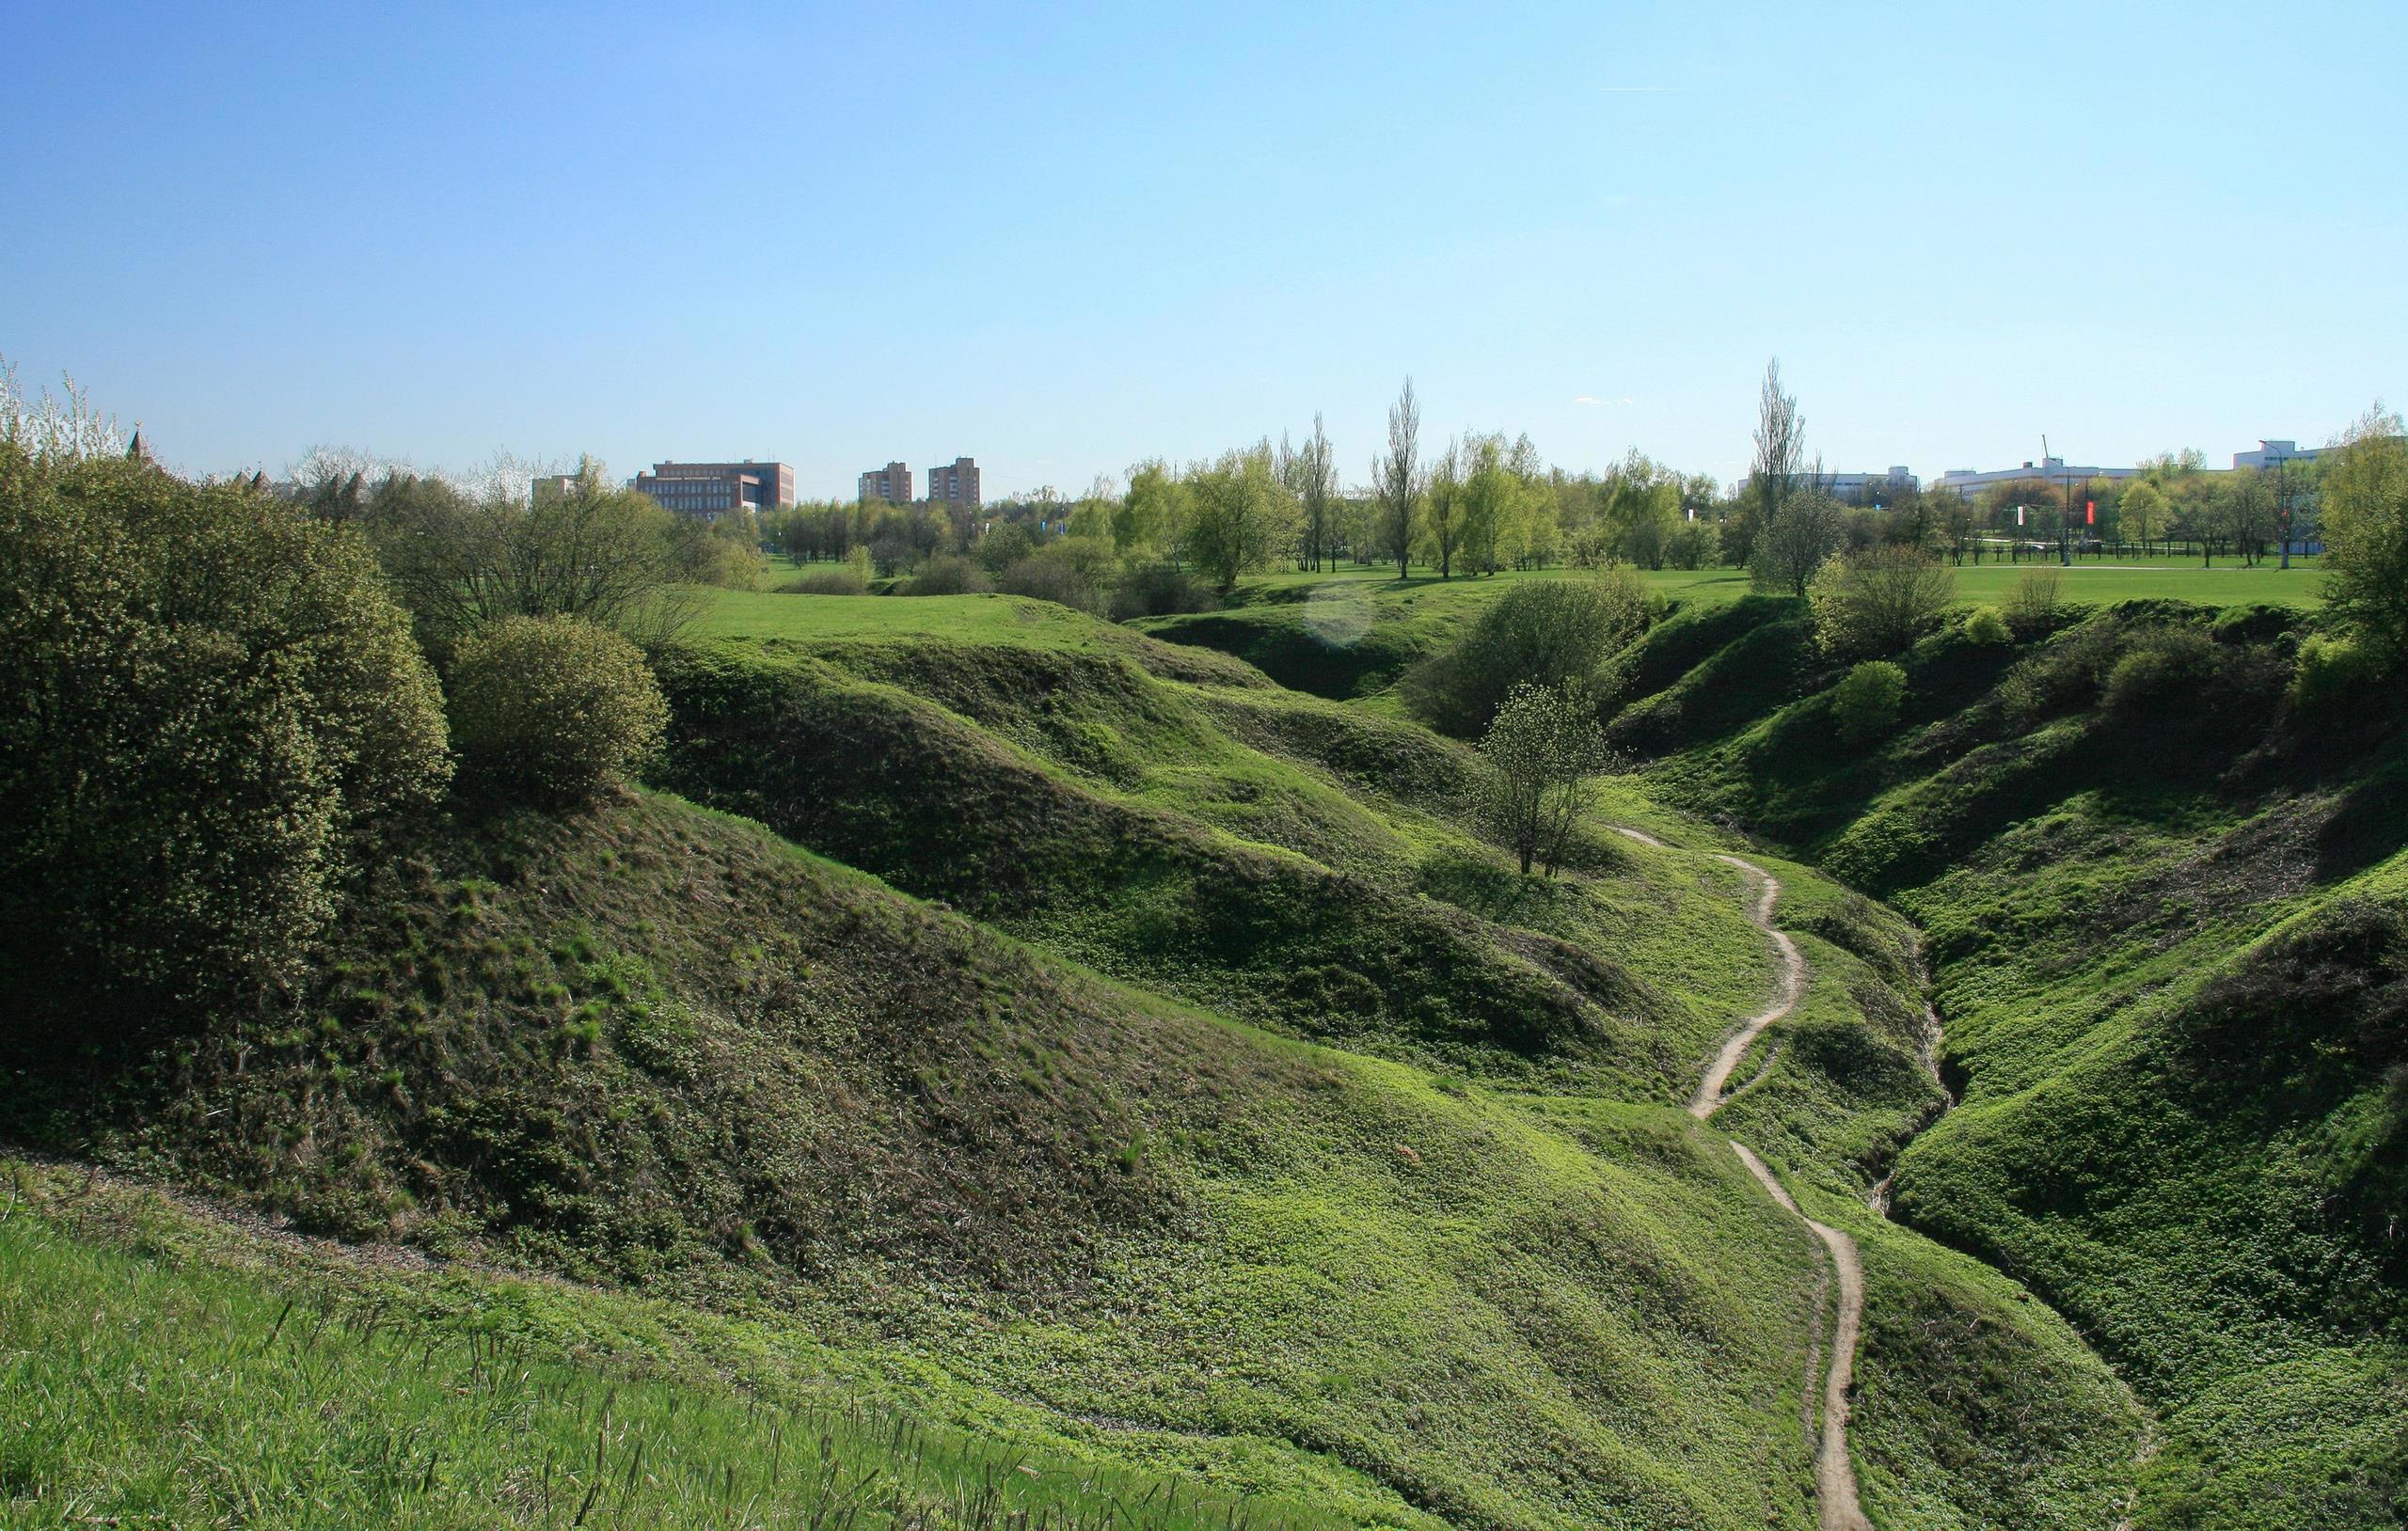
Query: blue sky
[[1061, 239]]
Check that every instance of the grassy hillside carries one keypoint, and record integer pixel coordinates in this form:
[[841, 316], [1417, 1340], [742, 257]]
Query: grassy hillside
[[996, 1183], [168, 1367], [1241, 847], [1349, 633], [2163, 909], [1235, 1121]]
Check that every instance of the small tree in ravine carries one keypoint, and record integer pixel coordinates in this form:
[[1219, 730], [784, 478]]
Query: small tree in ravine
[[1542, 749], [1553, 633]]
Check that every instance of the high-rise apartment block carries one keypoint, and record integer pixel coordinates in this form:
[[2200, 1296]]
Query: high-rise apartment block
[[710, 490], [891, 483], [956, 483]]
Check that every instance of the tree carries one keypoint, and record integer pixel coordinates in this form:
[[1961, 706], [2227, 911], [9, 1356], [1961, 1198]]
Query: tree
[[1642, 509], [1956, 520], [2246, 502], [2144, 511], [1553, 633], [1797, 524], [1444, 510], [1241, 517], [554, 707], [1879, 600], [1780, 448], [1542, 749], [2364, 496], [1793, 543], [214, 710], [1527, 534], [1311, 475], [1154, 511], [1396, 479], [606, 554], [1489, 494], [1092, 515]]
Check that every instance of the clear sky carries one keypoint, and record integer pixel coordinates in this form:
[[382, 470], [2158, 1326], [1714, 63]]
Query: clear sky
[[1061, 239]]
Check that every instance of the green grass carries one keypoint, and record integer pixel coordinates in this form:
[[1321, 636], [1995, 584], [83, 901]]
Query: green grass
[[1232, 1114], [1348, 634], [771, 617], [1008, 1191], [2158, 906], [184, 1381]]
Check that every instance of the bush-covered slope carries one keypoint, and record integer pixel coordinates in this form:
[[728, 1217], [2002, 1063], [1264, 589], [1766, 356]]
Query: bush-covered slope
[[2162, 908]]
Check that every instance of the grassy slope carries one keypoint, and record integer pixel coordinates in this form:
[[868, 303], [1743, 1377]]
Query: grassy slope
[[1240, 846], [658, 1047], [1672, 918], [1191, 1246], [1347, 635], [166, 1367], [2134, 908]]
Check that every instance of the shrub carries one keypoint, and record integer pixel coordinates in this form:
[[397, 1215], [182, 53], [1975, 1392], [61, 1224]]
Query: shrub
[[850, 577], [1550, 633], [1878, 601], [2165, 665], [1694, 544], [1865, 704], [1986, 625], [2364, 496], [211, 703], [2034, 606], [838, 582], [1056, 580], [725, 552], [949, 575], [1159, 591], [2331, 671], [557, 708], [584, 548]]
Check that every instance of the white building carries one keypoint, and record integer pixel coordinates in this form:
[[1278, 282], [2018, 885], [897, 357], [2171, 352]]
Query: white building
[[1861, 488], [1968, 482], [2274, 453]]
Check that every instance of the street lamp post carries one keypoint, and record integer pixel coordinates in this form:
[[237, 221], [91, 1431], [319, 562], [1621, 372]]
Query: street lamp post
[[2282, 507]]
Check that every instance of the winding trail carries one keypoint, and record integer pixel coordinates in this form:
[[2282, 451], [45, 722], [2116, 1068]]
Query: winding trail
[[1835, 1495], [1791, 984]]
